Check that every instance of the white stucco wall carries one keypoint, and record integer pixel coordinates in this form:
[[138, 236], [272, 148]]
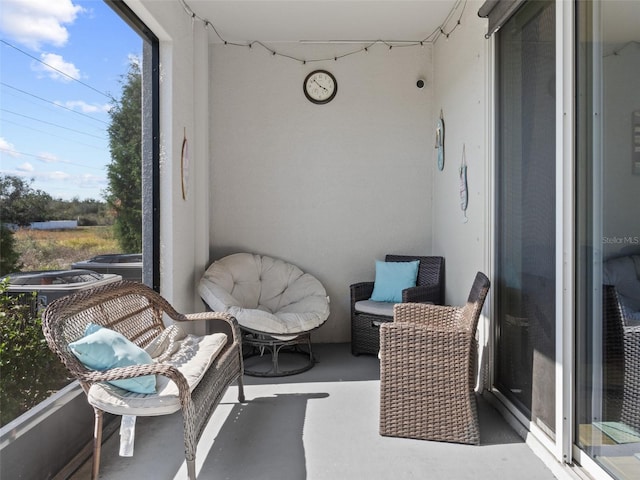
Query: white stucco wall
[[330, 188], [621, 188], [184, 94], [460, 71]]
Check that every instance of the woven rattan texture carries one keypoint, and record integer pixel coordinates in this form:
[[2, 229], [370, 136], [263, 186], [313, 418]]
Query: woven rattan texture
[[613, 355], [365, 335], [139, 313], [621, 362], [428, 369]]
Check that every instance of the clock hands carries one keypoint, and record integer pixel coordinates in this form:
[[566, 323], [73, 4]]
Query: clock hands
[[319, 86], [316, 82]]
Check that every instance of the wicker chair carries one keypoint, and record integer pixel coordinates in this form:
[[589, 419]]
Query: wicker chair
[[365, 322], [428, 369], [137, 312], [621, 363]]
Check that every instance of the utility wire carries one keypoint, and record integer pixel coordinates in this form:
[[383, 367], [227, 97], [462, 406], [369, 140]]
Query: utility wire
[[51, 123], [24, 92], [27, 127], [44, 159], [110, 97]]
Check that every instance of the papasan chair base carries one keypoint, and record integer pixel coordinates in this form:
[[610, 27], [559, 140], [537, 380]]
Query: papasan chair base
[[255, 344]]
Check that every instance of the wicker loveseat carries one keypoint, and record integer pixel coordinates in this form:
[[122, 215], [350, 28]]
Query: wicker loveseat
[[183, 372], [277, 306]]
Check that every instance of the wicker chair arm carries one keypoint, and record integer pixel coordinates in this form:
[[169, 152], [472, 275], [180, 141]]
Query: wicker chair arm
[[632, 343], [422, 294], [405, 344], [437, 317], [219, 321], [121, 373], [361, 291]]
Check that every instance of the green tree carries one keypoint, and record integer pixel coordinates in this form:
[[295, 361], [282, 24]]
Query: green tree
[[124, 193], [9, 257], [20, 203]]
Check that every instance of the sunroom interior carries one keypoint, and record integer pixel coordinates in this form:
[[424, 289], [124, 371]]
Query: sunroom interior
[[333, 187]]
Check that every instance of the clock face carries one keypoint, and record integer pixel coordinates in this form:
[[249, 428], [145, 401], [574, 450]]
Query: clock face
[[320, 87]]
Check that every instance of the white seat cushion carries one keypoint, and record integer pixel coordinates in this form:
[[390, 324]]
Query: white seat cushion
[[265, 294], [372, 307], [192, 355]]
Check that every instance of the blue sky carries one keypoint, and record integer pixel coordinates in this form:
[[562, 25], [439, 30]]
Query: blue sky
[[53, 127]]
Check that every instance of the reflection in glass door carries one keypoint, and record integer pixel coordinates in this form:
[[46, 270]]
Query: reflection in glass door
[[526, 206], [608, 236]]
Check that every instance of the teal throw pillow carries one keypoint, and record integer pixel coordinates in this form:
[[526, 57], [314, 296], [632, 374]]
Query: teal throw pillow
[[392, 278], [102, 348]]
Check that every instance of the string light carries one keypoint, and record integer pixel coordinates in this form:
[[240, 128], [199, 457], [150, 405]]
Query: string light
[[619, 50], [431, 38]]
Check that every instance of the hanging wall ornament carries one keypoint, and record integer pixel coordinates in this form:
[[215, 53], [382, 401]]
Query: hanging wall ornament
[[440, 141], [464, 191], [184, 166]]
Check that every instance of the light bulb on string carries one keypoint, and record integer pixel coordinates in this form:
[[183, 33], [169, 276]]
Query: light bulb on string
[[431, 38]]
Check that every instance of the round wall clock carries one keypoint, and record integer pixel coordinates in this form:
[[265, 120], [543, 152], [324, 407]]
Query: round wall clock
[[320, 87]]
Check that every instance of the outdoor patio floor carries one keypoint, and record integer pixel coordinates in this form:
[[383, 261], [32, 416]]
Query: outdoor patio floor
[[318, 425]]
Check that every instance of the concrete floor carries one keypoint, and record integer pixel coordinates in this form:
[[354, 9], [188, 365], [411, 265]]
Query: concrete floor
[[318, 425]]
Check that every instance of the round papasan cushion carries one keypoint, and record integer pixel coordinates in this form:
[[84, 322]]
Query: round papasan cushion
[[265, 294]]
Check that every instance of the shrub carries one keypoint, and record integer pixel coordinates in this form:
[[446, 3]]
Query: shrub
[[9, 257], [30, 370]]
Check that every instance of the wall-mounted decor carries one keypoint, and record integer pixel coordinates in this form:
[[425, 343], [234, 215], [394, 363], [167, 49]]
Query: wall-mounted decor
[[320, 87], [464, 191], [635, 146], [440, 141], [184, 166]]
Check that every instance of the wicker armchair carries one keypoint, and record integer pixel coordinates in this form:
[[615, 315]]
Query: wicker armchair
[[365, 322], [428, 370], [137, 312], [621, 363]]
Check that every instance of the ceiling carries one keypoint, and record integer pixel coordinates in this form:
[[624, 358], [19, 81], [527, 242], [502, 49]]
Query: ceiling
[[274, 21]]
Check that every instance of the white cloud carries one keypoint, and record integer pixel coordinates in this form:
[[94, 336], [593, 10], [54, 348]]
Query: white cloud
[[89, 180], [58, 175], [37, 22], [8, 148], [47, 157], [134, 59], [56, 67], [25, 167], [61, 184], [85, 107]]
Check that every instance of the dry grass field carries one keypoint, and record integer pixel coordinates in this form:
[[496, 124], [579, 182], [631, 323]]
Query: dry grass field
[[58, 249]]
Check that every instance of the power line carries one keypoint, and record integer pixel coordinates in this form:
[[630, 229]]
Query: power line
[[57, 70], [53, 103], [51, 123], [46, 160], [27, 127]]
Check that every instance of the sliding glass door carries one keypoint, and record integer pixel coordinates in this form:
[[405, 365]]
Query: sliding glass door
[[526, 206], [608, 236]]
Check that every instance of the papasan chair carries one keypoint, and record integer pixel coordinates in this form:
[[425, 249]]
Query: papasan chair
[[276, 304]]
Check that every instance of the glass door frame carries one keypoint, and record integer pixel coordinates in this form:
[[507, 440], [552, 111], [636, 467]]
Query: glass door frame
[[560, 449]]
